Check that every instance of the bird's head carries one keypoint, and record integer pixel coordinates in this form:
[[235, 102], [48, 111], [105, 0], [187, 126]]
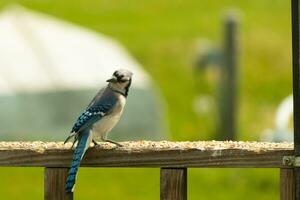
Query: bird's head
[[121, 80]]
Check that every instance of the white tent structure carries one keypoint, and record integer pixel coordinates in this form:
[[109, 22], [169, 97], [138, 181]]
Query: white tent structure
[[49, 71]]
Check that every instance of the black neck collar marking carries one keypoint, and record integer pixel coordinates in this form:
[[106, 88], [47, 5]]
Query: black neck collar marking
[[127, 88], [118, 91]]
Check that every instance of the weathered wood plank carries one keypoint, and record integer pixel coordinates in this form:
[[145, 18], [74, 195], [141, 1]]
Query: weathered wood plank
[[149, 154], [287, 184], [54, 184], [173, 183]]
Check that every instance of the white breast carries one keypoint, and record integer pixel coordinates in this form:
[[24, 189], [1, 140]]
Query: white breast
[[104, 125]]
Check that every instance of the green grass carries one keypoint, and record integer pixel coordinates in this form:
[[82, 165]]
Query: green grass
[[162, 36]]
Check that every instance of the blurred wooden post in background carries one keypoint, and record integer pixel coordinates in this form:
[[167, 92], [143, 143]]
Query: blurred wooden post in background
[[228, 81], [296, 91], [173, 183], [54, 184]]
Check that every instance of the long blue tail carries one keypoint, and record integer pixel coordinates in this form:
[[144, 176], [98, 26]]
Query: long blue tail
[[83, 144]]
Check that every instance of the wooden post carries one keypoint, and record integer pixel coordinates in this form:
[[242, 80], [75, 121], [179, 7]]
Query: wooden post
[[287, 184], [173, 183], [228, 83], [296, 91], [54, 184]]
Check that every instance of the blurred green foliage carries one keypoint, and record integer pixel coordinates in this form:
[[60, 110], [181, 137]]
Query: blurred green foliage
[[162, 36]]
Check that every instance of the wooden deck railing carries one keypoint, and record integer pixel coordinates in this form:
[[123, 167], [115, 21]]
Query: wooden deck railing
[[172, 157]]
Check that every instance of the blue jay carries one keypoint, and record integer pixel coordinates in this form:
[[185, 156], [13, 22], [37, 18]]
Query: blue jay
[[100, 116]]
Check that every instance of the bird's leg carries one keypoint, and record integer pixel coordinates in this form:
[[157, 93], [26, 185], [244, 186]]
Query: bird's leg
[[95, 142], [111, 141], [103, 138], [75, 140]]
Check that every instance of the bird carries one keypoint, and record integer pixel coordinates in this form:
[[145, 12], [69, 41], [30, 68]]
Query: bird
[[98, 119]]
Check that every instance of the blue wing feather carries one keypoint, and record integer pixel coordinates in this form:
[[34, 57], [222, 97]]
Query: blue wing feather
[[90, 116]]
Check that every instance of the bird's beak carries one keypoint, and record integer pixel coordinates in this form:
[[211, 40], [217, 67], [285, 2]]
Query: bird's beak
[[112, 80]]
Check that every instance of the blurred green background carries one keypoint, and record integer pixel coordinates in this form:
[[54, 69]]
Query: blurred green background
[[162, 36]]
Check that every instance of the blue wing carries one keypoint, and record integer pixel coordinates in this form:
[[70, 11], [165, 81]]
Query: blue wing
[[100, 106], [90, 116]]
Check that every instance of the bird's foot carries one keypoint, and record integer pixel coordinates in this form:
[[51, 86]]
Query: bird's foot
[[95, 143], [109, 141], [113, 142]]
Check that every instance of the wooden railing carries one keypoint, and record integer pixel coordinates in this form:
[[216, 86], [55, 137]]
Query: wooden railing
[[172, 157]]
